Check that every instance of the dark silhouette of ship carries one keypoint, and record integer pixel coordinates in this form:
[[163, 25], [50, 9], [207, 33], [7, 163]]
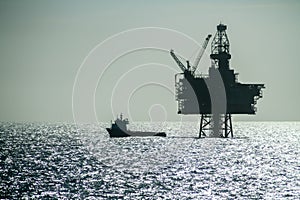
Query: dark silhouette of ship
[[119, 129]]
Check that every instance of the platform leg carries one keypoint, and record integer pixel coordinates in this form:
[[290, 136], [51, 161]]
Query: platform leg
[[226, 126], [231, 130], [201, 124]]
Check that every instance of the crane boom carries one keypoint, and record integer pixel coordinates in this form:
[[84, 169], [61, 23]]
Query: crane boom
[[182, 67], [201, 52]]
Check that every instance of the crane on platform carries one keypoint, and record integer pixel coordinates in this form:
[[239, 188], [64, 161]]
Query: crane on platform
[[201, 52], [179, 63], [188, 68]]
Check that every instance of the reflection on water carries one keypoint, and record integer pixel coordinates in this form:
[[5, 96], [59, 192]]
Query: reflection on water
[[65, 161]]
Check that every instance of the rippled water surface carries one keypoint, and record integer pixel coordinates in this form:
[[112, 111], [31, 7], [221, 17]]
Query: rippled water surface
[[67, 161]]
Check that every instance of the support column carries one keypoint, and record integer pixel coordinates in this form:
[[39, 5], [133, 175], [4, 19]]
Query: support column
[[228, 126], [201, 123], [207, 123], [204, 122]]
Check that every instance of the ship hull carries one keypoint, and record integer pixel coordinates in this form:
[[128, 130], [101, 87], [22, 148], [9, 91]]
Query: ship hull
[[121, 133]]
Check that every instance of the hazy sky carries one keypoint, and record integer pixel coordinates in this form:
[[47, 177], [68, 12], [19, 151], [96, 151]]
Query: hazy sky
[[44, 43]]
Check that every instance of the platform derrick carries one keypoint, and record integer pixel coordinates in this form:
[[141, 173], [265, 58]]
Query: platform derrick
[[218, 95]]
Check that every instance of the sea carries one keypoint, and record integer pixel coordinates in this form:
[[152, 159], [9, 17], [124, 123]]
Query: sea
[[71, 161]]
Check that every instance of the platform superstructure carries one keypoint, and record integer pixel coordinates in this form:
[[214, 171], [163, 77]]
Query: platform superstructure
[[218, 95]]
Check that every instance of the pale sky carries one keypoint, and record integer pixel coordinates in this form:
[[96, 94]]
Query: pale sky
[[44, 43]]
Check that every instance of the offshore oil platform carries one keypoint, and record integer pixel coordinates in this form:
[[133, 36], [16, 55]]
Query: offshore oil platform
[[218, 95]]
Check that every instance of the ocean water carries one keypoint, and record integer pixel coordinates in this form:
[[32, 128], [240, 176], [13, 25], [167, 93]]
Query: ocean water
[[63, 161]]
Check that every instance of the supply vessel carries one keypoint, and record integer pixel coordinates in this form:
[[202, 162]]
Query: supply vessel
[[119, 129]]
